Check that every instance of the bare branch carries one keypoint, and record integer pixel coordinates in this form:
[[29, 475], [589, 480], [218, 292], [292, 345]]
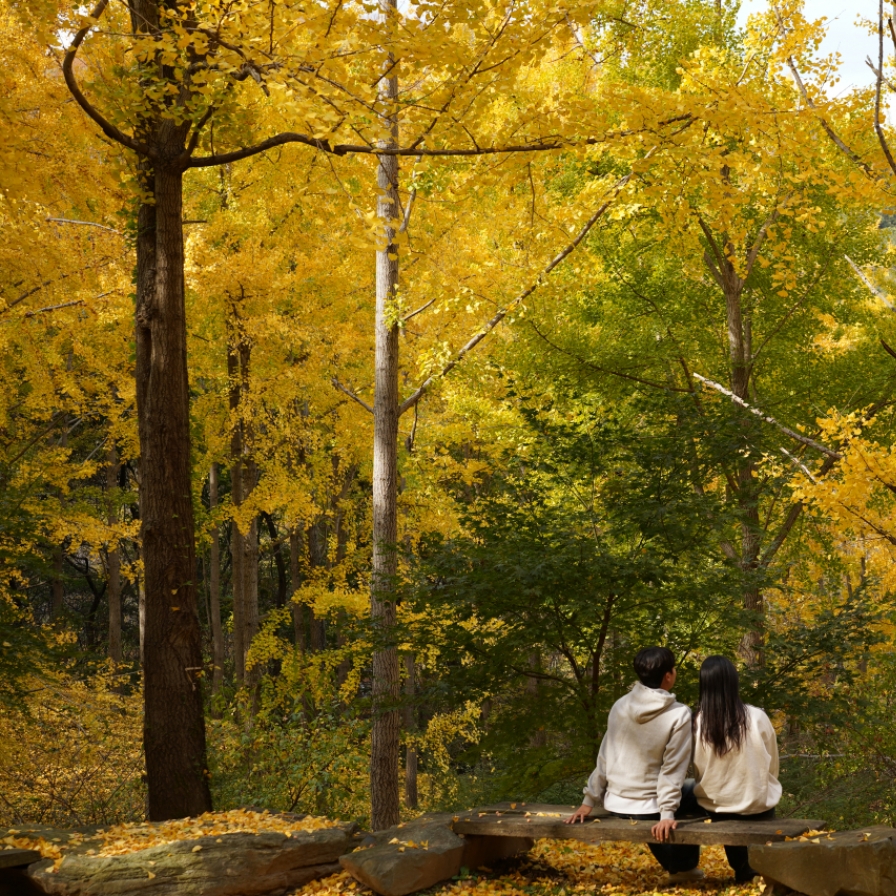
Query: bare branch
[[878, 89], [767, 419], [57, 307], [580, 40], [420, 310], [877, 292], [343, 149], [351, 395], [798, 463], [84, 224], [832, 134], [109, 129]]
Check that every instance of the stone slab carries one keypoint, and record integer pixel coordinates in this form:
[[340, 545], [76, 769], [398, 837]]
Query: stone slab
[[844, 863], [407, 858], [240, 864], [18, 858]]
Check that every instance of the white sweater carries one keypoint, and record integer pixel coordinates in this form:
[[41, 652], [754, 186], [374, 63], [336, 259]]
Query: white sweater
[[644, 755], [744, 781]]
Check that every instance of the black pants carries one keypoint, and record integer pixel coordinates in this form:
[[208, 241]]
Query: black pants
[[673, 857], [738, 856]]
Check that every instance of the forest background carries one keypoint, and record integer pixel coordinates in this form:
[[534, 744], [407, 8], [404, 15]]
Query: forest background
[[559, 239]]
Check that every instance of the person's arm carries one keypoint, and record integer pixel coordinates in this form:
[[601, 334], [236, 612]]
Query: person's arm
[[594, 789], [676, 757]]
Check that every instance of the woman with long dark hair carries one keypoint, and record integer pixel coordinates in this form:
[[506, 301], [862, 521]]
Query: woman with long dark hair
[[735, 756]]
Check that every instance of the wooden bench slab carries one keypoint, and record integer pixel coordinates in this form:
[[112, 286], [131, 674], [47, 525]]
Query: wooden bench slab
[[540, 820], [18, 858]]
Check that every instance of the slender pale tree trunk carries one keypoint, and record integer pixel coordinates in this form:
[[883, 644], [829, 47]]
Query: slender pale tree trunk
[[384, 748], [215, 588], [113, 561], [747, 497], [174, 728]]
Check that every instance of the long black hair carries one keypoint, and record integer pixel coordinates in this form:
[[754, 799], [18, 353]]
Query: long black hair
[[722, 714]]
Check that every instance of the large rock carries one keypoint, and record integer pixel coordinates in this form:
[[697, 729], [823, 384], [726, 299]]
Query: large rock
[[846, 863], [239, 864], [407, 858]]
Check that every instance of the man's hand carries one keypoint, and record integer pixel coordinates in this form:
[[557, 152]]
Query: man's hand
[[662, 829], [579, 815]]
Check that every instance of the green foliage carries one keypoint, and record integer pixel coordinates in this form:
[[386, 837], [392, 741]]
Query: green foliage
[[584, 547]]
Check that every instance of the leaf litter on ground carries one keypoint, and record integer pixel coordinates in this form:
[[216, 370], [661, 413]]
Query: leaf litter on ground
[[570, 868]]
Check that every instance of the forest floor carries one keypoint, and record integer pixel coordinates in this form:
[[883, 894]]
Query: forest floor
[[567, 868]]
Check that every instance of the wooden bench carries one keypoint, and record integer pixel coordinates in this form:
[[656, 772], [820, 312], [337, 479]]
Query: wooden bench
[[539, 820], [18, 858], [411, 857]]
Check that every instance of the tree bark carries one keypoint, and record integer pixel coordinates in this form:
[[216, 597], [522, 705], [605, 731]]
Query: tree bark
[[410, 757], [384, 746], [295, 581], [113, 561], [57, 584], [215, 588], [237, 539], [174, 729]]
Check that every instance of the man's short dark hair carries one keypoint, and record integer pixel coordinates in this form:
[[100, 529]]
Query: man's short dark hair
[[652, 664]]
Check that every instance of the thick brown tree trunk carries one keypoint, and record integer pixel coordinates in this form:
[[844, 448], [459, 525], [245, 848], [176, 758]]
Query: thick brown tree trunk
[[215, 588], [113, 561], [174, 729], [384, 744]]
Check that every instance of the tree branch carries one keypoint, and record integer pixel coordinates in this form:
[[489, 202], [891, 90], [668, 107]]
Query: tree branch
[[767, 419], [832, 134], [109, 129], [84, 224], [351, 395], [343, 149], [874, 290], [57, 307]]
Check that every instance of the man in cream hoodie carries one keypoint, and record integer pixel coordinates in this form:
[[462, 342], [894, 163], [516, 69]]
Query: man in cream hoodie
[[644, 758]]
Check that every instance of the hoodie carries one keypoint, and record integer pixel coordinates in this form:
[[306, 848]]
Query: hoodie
[[744, 781], [644, 755]]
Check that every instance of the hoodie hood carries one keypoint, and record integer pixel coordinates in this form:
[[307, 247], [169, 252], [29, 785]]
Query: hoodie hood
[[645, 704]]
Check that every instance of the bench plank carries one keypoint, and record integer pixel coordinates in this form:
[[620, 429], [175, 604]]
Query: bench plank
[[18, 858], [548, 822]]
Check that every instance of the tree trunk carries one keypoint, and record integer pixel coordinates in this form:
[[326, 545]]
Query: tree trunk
[[215, 588], [745, 486], [113, 561], [410, 758], [57, 584], [317, 557], [250, 569], [237, 539], [174, 727], [298, 620], [384, 745]]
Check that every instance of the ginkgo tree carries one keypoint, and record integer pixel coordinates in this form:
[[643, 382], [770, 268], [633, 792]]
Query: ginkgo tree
[[198, 76]]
